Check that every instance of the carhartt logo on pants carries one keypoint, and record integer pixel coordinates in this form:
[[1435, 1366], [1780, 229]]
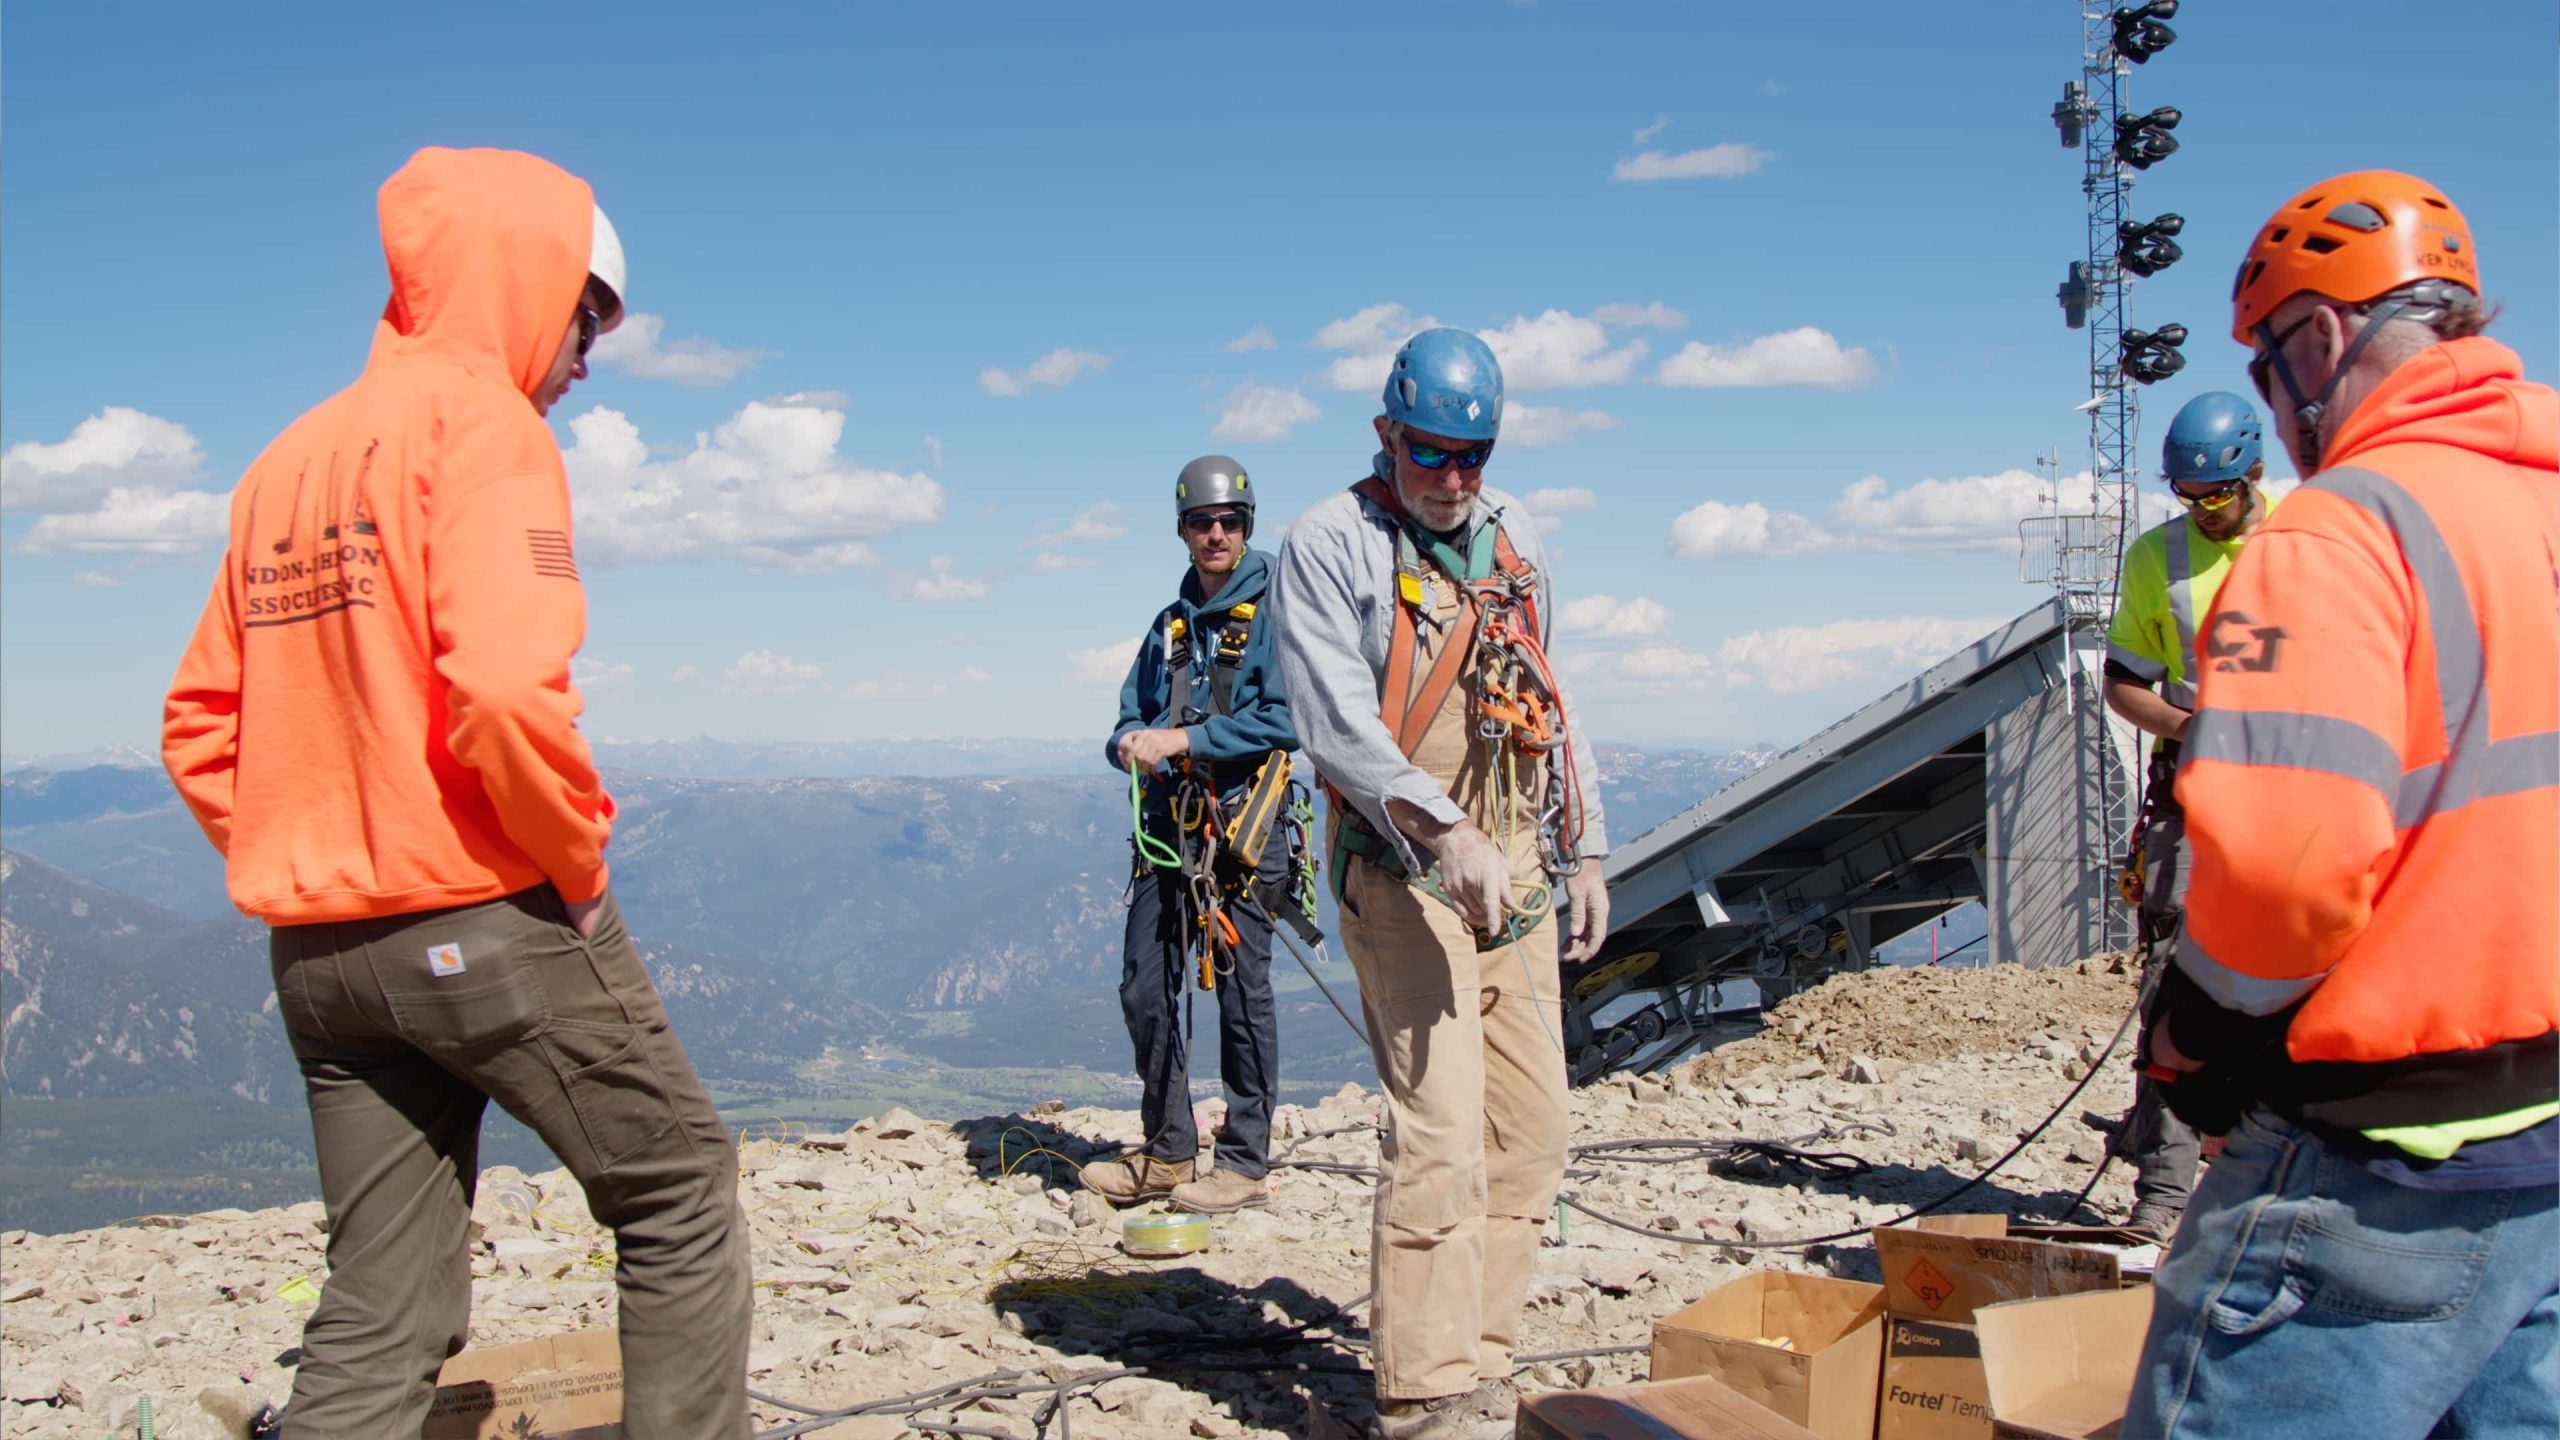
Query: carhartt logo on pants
[[444, 959]]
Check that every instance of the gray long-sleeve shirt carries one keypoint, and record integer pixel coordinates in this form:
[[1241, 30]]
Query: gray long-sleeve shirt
[[1333, 601]]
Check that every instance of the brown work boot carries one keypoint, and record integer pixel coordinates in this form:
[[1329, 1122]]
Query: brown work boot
[[1136, 1179], [1450, 1417], [2158, 1221], [1221, 1191]]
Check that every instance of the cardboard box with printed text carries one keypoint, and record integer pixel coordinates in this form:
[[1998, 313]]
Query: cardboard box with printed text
[[1933, 1387], [562, 1387], [1823, 1377], [2063, 1368], [1948, 1270], [1698, 1408]]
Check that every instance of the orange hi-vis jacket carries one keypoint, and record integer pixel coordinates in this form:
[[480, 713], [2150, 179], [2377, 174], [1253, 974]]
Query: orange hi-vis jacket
[[2372, 782], [375, 715]]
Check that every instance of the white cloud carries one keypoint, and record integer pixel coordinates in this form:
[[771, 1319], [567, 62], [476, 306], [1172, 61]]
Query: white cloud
[[1650, 133], [1535, 425], [766, 487], [594, 675], [1803, 356], [1605, 617], [686, 673], [1092, 525], [1258, 413], [138, 518], [1557, 349], [933, 450], [941, 586], [1794, 659], [1257, 338], [1055, 370], [1050, 562], [1561, 500], [95, 580], [1653, 313], [1371, 335], [117, 448], [769, 672], [1717, 162], [1103, 664], [1966, 513], [639, 346], [1715, 529]]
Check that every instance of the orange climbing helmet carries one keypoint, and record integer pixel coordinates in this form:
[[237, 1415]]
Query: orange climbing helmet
[[2354, 238]]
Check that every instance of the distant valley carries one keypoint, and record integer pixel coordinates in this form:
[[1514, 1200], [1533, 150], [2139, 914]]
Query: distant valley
[[828, 945]]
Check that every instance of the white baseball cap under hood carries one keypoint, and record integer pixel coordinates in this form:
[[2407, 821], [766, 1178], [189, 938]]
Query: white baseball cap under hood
[[605, 268]]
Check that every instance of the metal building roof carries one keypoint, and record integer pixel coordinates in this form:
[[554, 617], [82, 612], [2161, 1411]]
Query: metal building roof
[[1872, 827]]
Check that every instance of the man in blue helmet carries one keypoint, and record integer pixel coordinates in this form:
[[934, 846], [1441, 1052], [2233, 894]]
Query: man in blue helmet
[[2211, 460], [1201, 715], [1464, 811]]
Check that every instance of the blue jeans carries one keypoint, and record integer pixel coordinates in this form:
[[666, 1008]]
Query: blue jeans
[[2306, 1296]]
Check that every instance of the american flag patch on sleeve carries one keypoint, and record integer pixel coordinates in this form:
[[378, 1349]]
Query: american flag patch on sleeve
[[551, 554]]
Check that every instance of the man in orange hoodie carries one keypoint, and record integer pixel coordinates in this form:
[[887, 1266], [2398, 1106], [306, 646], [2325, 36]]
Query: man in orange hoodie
[[374, 724], [2366, 991]]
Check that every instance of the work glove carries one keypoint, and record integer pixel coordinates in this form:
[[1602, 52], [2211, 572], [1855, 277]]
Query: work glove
[[1587, 893]]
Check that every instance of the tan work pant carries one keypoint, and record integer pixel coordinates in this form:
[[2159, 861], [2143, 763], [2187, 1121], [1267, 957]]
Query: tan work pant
[[406, 1027], [1467, 1047]]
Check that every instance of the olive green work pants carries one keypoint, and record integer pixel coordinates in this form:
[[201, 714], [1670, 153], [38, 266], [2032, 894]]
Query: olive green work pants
[[406, 1027]]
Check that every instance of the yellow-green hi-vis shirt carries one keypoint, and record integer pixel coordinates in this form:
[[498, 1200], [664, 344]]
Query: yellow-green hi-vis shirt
[[2171, 575]]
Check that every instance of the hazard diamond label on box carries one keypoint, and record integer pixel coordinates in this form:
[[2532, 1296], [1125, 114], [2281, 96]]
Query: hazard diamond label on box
[[1929, 1283]]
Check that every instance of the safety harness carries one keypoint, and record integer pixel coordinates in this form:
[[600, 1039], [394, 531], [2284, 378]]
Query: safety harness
[[1205, 829], [1515, 697]]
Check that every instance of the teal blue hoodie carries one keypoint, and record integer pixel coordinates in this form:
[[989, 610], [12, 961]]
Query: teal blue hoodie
[[1234, 744]]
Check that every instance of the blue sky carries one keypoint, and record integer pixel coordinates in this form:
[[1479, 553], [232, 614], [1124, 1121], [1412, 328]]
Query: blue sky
[[940, 302]]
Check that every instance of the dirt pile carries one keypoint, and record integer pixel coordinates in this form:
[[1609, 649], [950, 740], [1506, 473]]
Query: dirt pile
[[1920, 1013]]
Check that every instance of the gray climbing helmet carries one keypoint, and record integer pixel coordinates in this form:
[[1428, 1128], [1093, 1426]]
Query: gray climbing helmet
[[1212, 480]]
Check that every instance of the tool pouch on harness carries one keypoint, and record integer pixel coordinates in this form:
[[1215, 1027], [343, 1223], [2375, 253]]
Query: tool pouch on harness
[[1492, 644]]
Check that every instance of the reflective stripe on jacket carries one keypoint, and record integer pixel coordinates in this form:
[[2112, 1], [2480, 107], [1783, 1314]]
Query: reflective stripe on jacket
[[2372, 785], [2171, 573]]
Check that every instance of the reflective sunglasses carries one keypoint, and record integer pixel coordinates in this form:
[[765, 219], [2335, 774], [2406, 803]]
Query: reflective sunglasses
[[2215, 499], [1440, 457], [2264, 360], [590, 324], [1201, 522]]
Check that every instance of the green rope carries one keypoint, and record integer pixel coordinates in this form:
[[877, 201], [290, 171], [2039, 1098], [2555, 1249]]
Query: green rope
[[1155, 852]]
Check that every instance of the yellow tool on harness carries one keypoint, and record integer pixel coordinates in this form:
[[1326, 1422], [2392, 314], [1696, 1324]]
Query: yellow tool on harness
[[1249, 829]]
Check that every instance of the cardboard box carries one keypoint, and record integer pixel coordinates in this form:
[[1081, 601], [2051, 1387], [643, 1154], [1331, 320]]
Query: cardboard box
[[1933, 1386], [1946, 1272], [564, 1387], [1699, 1408], [1825, 1380], [2063, 1368]]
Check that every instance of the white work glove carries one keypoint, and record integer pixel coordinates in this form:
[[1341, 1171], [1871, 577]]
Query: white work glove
[[1587, 893]]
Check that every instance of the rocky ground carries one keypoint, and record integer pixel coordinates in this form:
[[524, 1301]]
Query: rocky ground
[[906, 1256]]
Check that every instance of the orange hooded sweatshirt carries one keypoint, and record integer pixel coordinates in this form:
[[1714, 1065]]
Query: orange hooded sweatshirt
[[375, 715]]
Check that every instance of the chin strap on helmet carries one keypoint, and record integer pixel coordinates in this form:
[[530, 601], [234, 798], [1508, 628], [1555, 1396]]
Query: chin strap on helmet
[[2420, 302]]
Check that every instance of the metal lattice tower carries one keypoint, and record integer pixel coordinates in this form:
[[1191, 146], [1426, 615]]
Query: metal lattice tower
[[2114, 426]]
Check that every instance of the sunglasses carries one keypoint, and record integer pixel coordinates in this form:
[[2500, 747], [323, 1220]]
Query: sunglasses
[[589, 324], [2264, 360], [1440, 457], [2214, 499], [1200, 522]]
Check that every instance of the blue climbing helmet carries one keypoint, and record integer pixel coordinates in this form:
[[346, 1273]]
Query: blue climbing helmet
[[2216, 436], [1446, 382]]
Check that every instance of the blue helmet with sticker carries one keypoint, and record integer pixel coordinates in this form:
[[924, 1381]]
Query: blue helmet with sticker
[[1446, 382], [2216, 436]]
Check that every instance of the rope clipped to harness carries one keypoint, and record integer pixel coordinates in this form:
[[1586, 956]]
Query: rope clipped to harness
[[1512, 690]]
